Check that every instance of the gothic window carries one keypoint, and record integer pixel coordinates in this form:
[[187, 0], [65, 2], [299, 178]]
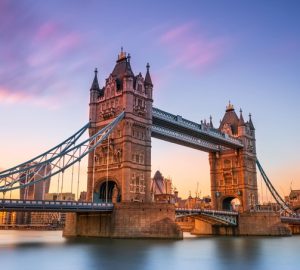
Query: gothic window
[[118, 84], [133, 157], [140, 87], [227, 164], [132, 183], [137, 158], [137, 184], [141, 158], [140, 104]]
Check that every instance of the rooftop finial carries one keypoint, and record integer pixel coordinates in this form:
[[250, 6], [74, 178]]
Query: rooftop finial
[[148, 67], [229, 107], [122, 54], [96, 71], [128, 57]]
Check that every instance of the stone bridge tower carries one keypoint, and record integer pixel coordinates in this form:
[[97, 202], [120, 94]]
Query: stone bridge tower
[[233, 172], [120, 169]]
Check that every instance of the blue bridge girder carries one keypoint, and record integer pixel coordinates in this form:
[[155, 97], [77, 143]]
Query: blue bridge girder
[[227, 218], [201, 137], [53, 206]]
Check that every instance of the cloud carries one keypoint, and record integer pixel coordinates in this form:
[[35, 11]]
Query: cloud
[[36, 54], [187, 47]]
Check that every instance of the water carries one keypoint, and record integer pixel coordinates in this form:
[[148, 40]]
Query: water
[[48, 250]]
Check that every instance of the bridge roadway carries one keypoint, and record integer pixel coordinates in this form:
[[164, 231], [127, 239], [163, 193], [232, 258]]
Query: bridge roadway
[[174, 128], [53, 206]]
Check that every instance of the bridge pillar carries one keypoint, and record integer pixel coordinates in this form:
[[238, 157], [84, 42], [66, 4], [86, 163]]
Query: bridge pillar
[[124, 160], [233, 172]]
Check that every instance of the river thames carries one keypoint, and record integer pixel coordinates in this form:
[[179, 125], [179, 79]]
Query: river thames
[[48, 250]]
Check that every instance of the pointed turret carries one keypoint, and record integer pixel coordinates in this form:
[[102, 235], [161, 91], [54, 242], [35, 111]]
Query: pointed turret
[[148, 80], [122, 68], [241, 120], [250, 123], [210, 122], [95, 84], [230, 121]]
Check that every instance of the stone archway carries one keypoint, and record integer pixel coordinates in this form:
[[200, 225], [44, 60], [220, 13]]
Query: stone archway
[[107, 191], [231, 204]]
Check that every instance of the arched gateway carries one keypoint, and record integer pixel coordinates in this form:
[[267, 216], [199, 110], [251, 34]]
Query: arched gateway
[[126, 154]]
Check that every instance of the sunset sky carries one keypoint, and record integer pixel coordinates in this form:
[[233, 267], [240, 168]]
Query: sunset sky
[[202, 54]]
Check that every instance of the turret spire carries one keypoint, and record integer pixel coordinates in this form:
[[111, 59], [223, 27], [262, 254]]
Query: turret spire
[[95, 84], [251, 123], [241, 120], [148, 80]]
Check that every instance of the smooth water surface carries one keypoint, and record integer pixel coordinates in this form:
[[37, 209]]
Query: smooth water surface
[[48, 250]]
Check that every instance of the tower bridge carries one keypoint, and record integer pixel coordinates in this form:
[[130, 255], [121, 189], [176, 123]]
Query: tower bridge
[[122, 121]]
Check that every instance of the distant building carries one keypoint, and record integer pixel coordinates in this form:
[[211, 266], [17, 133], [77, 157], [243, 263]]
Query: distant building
[[38, 190], [161, 188], [194, 202], [293, 199], [83, 196], [65, 196]]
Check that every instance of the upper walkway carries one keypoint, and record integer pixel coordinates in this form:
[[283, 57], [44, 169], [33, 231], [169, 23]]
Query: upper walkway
[[174, 128]]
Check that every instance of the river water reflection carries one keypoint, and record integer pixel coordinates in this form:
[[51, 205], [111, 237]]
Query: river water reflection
[[48, 250]]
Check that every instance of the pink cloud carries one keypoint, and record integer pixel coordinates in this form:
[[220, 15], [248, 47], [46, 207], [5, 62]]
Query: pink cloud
[[190, 49], [45, 31], [11, 97]]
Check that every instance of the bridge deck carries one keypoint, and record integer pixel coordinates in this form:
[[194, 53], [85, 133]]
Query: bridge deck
[[53, 206], [168, 121]]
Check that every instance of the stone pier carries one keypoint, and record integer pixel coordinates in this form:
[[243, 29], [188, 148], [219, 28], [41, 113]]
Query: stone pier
[[128, 220]]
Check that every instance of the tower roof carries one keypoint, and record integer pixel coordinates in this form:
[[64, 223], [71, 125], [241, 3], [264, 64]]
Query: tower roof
[[122, 68], [148, 80], [251, 123], [241, 121], [230, 118], [95, 84]]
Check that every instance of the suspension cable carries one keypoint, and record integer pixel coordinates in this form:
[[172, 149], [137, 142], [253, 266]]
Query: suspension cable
[[93, 174], [84, 148], [106, 189]]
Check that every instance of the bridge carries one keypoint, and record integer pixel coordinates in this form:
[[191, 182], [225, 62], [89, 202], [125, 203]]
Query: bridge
[[122, 121]]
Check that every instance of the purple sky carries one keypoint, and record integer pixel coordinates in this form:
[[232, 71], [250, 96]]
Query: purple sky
[[202, 55]]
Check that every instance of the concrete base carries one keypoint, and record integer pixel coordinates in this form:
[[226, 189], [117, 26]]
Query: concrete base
[[262, 223], [250, 223], [295, 229], [128, 220]]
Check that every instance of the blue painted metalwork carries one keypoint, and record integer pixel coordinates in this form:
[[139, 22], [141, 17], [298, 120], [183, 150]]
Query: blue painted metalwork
[[219, 217], [68, 157], [53, 206]]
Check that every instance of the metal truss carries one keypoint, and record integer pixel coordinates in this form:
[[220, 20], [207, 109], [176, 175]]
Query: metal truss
[[183, 139], [34, 164], [57, 159], [228, 218], [274, 192], [200, 129]]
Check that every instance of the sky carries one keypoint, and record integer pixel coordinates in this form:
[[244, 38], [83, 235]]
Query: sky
[[202, 54]]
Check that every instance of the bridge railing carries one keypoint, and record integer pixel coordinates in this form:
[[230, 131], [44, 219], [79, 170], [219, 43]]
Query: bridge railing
[[41, 205], [194, 126], [208, 211]]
